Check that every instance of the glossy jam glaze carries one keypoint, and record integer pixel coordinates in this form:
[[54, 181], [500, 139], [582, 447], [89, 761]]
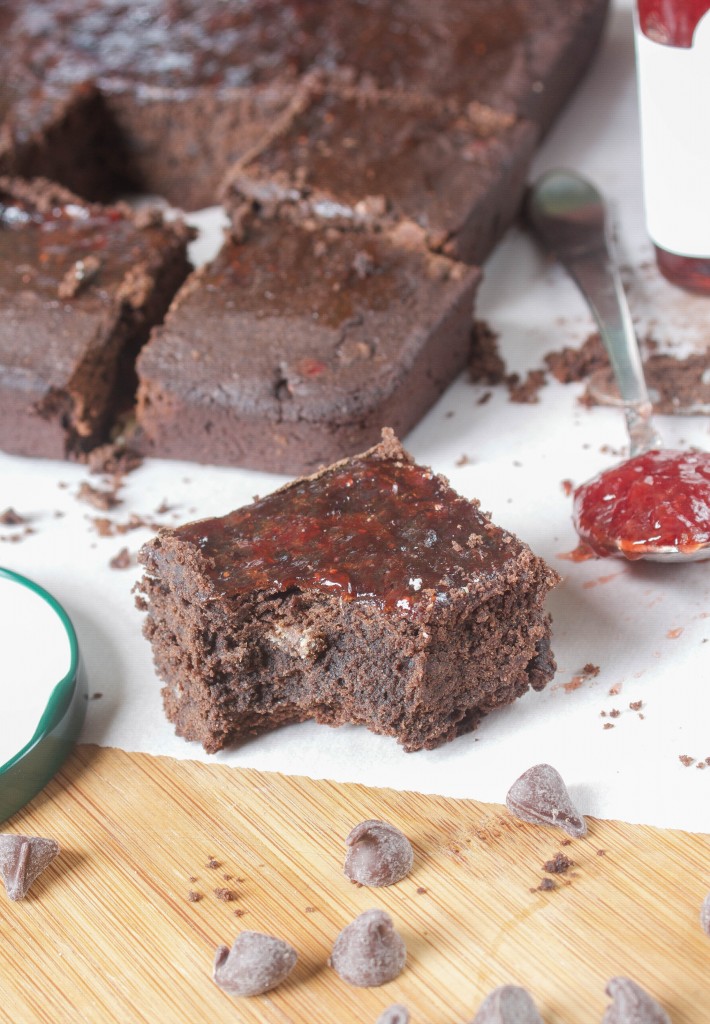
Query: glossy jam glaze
[[383, 531], [660, 499]]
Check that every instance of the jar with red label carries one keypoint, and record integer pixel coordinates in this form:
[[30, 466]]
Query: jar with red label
[[673, 60]]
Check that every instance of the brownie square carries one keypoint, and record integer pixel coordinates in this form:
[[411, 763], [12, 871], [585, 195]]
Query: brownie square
[[365, 158], [80, 287], [369, 593], [295, 346]]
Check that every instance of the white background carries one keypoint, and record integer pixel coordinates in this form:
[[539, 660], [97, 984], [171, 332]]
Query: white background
[[643, 625]]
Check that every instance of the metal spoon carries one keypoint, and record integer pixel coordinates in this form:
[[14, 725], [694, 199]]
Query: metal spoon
[[568, 215]]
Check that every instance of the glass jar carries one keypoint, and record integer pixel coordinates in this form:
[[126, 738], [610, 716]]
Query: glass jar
[[673, 61]]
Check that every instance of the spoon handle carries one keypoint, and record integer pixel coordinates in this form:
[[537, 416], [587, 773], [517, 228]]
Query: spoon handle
[[597, 276]]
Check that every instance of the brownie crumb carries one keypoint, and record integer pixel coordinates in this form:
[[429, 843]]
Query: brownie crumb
[[213, 864], [701, 764], [571, 365], [526, 392], [614, 713], [601, 853], [686, 759], [194, 897], [192, 878], [567, 487], [636, 705], [309, 910], [546, 885], [463, 460], [163, 508], [558, 865], [608, 725], [11, 518], [113, 460], [590, 670], [487, 365], [122, 560], [225, 895], [421, 891], [239, 912], [103, 500]]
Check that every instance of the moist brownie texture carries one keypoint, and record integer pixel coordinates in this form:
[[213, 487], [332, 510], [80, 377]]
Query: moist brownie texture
[[368, 593], [369, 158], [80, 287], [184, 88], [296, 345]]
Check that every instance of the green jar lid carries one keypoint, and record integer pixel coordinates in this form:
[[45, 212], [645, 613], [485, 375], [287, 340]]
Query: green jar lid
[[42, 689]]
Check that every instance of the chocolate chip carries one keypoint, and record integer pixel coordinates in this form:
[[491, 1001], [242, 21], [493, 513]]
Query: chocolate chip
[[540, 796], [705, 915], [396, 1014], [256, 963], [22, 860], [632, 1005], [508, 1004], [369, 952], [378, 854]]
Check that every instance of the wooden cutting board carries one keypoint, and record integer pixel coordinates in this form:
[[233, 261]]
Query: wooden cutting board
[[108, 932]]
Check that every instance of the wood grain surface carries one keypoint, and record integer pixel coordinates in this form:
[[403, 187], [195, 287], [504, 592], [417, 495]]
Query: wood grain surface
[[108, 932]]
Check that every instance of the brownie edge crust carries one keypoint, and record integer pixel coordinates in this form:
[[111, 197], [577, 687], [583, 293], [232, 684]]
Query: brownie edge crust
[[369, 593]]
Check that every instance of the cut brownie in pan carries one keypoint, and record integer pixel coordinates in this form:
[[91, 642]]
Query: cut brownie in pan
[[365, 157], [296, 346], [80, 287], [190, 85], [369, 593]]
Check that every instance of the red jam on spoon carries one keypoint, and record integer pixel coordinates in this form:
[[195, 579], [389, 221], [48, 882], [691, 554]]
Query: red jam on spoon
[[655, 502]]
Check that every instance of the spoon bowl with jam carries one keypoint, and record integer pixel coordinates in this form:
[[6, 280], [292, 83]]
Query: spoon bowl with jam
[[656, 504]]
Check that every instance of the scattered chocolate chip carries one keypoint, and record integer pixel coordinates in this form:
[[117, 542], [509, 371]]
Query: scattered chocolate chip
[[256, 963], [377, 854], [705, 915], [22, 860], [103, 500], [632, 1005], [396, 1014], [558, 865], [225, 895], [369, 952], [508, 1004], [11, 518], [540, 797], [194, 897], [121, 560], [686, 760]]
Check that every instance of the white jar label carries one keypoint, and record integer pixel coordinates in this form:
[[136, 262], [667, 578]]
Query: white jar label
[[674, 100]]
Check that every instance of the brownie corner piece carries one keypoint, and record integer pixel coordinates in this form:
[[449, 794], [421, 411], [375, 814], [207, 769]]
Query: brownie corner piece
[[80, 287], [368, 593]]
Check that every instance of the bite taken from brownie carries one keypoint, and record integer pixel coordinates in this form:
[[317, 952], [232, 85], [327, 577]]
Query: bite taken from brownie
[[369, 593]]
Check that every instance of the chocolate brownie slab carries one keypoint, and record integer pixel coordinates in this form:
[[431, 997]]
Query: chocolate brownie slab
[[296, 346], [369, 593], [80, 287], [365, 157], [188, 87]]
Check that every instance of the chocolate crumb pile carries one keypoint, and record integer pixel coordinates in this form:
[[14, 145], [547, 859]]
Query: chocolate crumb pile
[[377, 854], [369, 952], [540, 797], [22, 860], [256, 963], [559, 864], [632, 1005], [508, 1004], [396, 1014]]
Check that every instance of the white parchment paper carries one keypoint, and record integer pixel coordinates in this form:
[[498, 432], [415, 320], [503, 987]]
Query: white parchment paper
[[645, 626]]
